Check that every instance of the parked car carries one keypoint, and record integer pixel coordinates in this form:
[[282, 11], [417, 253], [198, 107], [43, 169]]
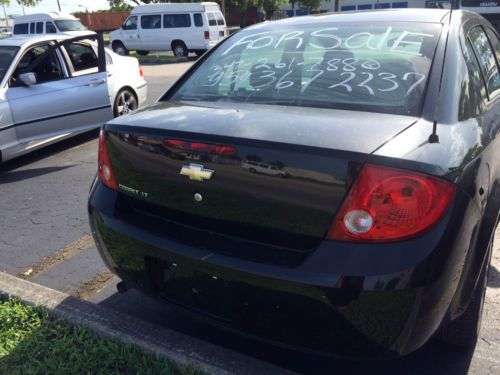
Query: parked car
[[257, 167], [126, 84], [400, 107], [5, 32], [49, 23], [54, 87], [177, 27]]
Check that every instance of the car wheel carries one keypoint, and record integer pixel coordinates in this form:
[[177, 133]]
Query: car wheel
[[464, 331], [142, 53], [180, 49], [125, 102], [119, 48], [252, 170]]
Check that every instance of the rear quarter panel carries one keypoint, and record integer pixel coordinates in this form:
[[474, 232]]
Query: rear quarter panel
[[467, 153]]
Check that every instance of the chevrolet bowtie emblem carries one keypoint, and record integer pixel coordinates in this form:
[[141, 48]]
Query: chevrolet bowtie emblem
[[196, 172]]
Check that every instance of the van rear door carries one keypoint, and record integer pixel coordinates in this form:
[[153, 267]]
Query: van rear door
[[221, 25], [216, 23], [212, 27]]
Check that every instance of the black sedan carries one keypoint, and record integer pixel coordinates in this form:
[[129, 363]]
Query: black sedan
[[385, 125]]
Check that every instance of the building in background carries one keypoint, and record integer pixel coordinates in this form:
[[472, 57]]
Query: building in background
[[352, 5]]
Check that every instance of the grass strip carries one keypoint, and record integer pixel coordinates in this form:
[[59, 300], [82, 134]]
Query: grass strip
[[33, 342], [157, 58]]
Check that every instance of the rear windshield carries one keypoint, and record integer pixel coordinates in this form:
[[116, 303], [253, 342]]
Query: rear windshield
[[377, 67], [70, 25], [7, 54]]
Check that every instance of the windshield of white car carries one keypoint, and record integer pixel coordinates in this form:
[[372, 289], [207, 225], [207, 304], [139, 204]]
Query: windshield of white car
[[7, 54], [70, 25], [374, 67]]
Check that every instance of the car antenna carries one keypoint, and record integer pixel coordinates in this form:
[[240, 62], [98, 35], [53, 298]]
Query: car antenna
[[433, 138]]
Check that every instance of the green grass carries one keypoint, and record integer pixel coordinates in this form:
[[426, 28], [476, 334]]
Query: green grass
[[32, 342]]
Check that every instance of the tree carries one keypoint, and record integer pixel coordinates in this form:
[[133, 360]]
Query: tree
[[28, 3], [270, 6], [118, 5], [241, 6], [310, 5], [4, 3]]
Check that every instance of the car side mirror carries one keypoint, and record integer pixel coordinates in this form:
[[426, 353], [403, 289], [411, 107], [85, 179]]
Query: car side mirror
[[29, 79], [123, 27]]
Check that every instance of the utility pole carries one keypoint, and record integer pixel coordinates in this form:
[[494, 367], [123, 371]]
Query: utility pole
[[59, 5], [223, 6]]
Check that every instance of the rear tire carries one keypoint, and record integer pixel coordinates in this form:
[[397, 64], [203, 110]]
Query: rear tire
[[464, 331], [120, 49], [125, 102], [180, 49], [142, 53]]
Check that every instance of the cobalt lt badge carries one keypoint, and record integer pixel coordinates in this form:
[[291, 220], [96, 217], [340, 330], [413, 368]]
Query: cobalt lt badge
[[196, 172]]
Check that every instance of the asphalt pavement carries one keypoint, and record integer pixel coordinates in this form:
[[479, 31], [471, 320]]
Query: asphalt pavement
[[45, 238]]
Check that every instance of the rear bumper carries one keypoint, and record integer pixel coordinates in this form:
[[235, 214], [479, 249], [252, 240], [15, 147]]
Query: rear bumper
[[341, 301]]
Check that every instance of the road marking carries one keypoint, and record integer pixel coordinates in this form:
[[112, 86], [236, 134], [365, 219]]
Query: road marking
[[47, 263], [93, 285]]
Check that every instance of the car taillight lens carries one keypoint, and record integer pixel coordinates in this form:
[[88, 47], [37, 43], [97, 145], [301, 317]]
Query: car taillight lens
[[388, 204], [105, 171], [140, 71], [199, 147], [207, 35]]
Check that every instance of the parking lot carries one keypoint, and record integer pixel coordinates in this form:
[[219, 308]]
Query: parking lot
[[45, 239]]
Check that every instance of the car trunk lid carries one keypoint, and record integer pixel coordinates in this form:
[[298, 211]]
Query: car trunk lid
[[252, 182]]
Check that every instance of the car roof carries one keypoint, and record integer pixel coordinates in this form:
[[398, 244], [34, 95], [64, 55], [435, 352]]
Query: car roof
[[44, 16], [172, 7], [419, 15], [22, 40]]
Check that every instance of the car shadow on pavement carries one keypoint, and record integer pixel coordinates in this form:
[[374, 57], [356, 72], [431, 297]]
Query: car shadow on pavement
[[15, 176], [493, 277], [47, 151], [433, 358]]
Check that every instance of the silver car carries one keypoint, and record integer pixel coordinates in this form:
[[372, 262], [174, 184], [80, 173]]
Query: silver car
[[51, 88]]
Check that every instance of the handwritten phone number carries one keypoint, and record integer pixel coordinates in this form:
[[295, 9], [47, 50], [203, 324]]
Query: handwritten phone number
[[351, 69]]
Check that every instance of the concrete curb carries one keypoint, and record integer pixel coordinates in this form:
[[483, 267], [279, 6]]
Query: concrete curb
[[154, 339]]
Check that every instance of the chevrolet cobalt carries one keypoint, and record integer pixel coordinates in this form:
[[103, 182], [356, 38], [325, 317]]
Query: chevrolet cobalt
[[386, 126]]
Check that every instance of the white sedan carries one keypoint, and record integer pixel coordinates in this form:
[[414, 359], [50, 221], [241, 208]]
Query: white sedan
[[54, 87]]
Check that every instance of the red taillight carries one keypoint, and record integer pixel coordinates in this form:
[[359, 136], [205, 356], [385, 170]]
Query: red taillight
[[207, 35], [389, 204], [199, 147], [140, 71], [105, 171]]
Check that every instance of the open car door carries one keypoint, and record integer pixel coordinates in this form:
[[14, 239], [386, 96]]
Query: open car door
[[59, 88]]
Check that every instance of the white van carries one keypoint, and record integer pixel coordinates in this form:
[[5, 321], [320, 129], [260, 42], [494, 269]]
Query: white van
[[177, 27], [48, 23]]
